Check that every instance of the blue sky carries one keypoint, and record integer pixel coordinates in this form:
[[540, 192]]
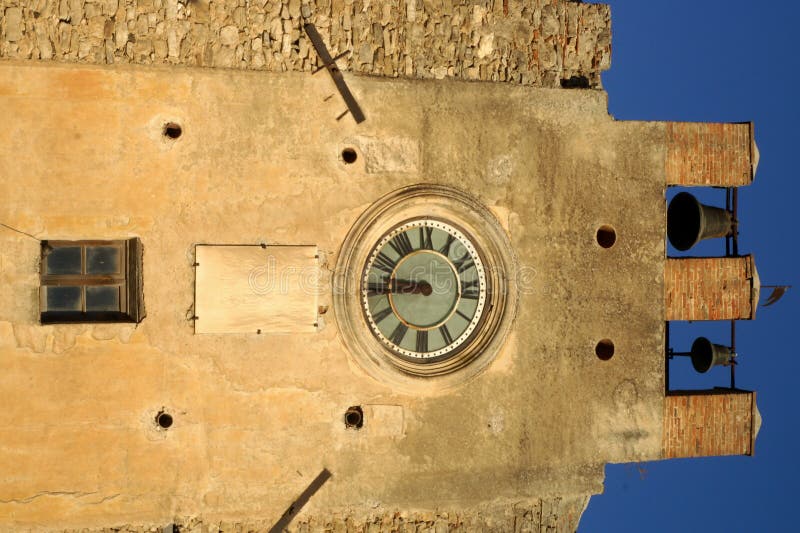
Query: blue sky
[[721, 61]]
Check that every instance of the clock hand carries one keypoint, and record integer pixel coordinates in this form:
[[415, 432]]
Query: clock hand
[[411, 287], [401, 286]]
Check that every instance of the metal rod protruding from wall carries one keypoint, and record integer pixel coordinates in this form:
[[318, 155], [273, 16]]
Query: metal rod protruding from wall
[[728, 208], [733, 352], [735, 232], [667, 357]]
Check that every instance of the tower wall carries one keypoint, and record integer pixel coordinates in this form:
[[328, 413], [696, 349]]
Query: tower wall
[[531, 42], [257, 416]]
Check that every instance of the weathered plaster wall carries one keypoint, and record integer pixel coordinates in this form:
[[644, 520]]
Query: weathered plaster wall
[[258, 416], [531, 42]]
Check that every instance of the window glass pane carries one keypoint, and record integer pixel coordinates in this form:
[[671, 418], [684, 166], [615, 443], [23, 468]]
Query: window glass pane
[[63, 298], [102, 298], [102, 259], [63, 260]]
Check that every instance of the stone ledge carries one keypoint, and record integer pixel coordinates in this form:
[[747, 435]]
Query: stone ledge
[[555, 514]]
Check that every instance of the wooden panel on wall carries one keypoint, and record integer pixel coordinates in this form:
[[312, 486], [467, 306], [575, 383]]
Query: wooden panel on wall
[[247, 289]]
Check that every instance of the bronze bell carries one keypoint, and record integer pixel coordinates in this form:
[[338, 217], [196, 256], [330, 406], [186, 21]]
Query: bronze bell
[[689, 221], [705, 355]]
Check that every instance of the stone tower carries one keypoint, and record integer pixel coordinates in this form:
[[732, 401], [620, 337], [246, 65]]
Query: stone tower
[[190, 334]]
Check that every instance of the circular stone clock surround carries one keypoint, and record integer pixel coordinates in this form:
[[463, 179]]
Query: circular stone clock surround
[[448, 210]]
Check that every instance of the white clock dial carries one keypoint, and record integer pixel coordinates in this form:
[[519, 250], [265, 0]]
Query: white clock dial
[[424, 289]]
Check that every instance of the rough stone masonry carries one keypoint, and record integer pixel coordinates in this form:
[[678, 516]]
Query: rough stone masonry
[[545, 43]]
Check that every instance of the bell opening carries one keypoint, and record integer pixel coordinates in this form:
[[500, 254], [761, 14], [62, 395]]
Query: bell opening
[[689, 221], [683, 221], [705, 355]]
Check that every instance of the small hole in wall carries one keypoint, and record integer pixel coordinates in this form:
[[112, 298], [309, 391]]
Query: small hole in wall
[[606, 236], [576, 82], [354, 417], [349, 155], [172, 130], [164, 420], [604, 349]]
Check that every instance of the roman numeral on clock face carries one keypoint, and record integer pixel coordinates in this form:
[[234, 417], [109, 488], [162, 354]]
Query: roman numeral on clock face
[[464, 264], [445, 249], [426, 238], [380, 315], [401, 244], [398, 334], [385, 263], [422, 341], [448, 339], [470, 289], [462, 315]]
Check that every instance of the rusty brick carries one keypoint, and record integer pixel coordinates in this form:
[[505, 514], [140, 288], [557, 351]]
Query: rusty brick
[[716, 288], [709, 154], [720, 424]]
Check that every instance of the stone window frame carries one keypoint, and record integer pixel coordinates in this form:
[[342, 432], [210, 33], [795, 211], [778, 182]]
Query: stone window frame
[[127, 277]]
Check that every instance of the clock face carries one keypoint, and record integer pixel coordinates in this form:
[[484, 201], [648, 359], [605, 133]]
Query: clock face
[[424, 289]]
